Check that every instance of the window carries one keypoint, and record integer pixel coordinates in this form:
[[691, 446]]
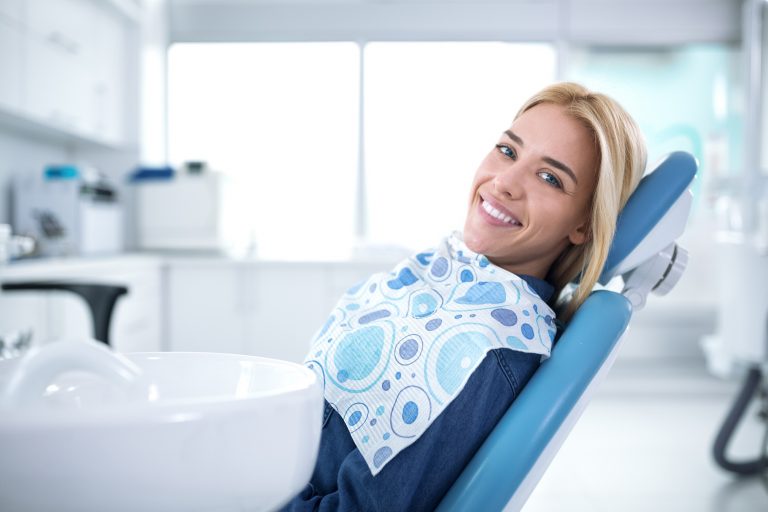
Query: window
[[682, 97], [280, 120], [432, 113]]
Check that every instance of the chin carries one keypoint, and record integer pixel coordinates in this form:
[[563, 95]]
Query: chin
[[478, 237], [476, 243]]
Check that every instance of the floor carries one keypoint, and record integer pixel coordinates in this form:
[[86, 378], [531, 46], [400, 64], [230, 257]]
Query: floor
[[644, 444]]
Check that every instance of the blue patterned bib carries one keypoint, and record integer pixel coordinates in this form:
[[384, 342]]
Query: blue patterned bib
[[399, 347]]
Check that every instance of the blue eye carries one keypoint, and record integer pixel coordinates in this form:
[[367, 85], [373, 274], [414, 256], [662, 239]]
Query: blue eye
[[551, 179], [506, 151]]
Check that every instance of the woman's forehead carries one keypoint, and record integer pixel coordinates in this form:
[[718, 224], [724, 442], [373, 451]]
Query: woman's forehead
[[549, 131]]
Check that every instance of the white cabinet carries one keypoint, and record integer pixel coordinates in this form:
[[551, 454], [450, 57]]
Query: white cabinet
[[12, 11], [63, 65], [108, 75], [290, 304], [225, 306], [22, 311], [207, 307], [55, 84], [268, 309], [59, 49], [11, 43], [136, 320], [137, 317]]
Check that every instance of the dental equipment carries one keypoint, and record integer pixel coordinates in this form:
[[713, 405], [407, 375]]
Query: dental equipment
[[740, 347]]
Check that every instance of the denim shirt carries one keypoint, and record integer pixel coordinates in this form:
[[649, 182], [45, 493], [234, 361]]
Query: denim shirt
[[419, 477]]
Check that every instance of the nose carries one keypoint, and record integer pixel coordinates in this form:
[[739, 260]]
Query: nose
[[509, 183]]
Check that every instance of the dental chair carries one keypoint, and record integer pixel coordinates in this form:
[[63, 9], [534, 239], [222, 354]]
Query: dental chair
[[509, 464]]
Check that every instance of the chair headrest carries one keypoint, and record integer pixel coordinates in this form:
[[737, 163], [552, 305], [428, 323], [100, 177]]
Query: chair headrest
[[653, 198]]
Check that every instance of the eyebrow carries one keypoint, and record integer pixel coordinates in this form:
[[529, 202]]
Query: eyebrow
[[551, 161]]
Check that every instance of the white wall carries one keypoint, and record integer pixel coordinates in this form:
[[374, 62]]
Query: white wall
[[20, 154]]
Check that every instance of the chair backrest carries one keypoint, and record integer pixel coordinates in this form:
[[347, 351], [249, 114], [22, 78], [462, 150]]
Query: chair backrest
[[513, 458]]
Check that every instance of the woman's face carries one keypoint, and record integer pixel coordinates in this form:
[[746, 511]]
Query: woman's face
[[531, 195]]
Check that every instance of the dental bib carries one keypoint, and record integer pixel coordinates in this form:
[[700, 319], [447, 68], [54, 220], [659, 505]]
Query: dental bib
[[399, 347]]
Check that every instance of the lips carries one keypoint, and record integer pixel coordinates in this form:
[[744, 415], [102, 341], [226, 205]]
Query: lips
[[498, 213]]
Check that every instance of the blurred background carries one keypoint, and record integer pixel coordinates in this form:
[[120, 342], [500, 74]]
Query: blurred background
[[238, 164]]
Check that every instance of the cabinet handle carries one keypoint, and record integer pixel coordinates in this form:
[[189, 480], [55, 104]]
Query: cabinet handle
[[54, 38], [59, 39], [72, 46]]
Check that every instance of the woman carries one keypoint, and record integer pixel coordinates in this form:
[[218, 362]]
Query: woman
[[467, 324]]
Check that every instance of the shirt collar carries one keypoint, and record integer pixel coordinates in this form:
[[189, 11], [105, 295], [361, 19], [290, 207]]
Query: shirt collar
[[540, 286]]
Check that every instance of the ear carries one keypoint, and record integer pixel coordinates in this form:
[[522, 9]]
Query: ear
[[580, 234]]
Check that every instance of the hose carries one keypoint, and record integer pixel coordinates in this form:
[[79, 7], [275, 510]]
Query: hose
[[739, 407]]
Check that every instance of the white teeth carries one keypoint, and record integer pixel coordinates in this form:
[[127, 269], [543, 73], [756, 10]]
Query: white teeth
[[493, 212]]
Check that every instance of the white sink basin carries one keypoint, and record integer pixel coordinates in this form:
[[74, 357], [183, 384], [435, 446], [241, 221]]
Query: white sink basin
[[82, 428]]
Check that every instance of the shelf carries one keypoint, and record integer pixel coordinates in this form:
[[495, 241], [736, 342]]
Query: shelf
[[23, 124]]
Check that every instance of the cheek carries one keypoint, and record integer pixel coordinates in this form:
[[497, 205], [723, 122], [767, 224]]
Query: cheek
[[477, 180], [582, 211], [483, 173], [572, 220], [554, 213], [486, 165]]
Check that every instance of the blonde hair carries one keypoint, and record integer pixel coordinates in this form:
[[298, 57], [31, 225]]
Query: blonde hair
[[621, 161]]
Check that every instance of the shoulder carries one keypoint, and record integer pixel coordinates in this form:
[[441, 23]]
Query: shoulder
[[499, 377], [515, 366]]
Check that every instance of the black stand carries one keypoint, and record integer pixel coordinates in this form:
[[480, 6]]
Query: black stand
[[101, 299], [749, 467]]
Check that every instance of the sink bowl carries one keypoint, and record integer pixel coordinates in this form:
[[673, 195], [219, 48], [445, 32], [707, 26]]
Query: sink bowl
[[83, 428]]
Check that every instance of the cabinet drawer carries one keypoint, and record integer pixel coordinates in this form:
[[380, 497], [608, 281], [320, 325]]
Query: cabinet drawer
[[208, 309], [57, 87], [67, 24]]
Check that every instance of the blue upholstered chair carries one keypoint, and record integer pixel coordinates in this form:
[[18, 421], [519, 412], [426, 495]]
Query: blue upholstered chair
[[513, 458]]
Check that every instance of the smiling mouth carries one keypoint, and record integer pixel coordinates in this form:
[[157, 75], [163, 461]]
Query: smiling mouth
[[496, 214]]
